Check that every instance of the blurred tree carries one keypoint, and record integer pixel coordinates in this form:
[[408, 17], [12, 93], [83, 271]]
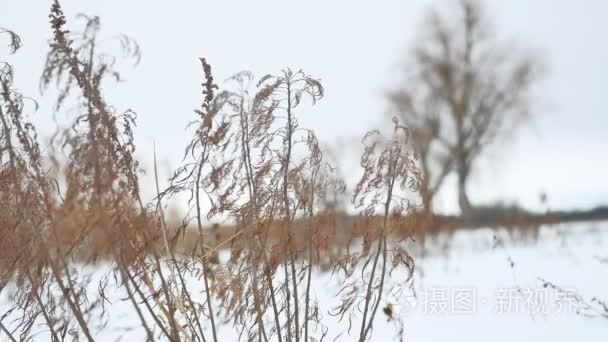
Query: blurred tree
[[463, 90]]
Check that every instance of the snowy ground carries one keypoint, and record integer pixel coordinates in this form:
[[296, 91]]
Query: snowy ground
[[510, 303], [479, 288]]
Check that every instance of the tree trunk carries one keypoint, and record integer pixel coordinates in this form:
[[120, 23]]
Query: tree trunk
[[427, 196], [463, 198]]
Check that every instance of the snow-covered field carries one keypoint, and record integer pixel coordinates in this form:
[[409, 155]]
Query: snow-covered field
[[483, 286], [509, 302]]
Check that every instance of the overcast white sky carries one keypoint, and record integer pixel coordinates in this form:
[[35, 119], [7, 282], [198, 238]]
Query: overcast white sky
[[355, 47]]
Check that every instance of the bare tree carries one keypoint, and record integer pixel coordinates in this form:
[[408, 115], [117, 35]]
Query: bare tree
[[464, 89]]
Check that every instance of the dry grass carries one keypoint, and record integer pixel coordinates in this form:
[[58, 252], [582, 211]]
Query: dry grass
[[248, 162]]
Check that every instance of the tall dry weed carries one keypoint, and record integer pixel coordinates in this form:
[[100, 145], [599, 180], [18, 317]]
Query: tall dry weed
[[249, 166]]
